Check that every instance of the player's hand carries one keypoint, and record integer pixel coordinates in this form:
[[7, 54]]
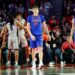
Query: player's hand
[[17, 22], [25, 27], [33, 37]]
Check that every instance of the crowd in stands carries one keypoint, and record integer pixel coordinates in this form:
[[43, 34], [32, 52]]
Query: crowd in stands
[[58, 47]]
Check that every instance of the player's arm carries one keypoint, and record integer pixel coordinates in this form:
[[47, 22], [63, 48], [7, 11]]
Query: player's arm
[[46, 29], [29, 32], [25, 24], [28, 28], [20, 25], [4, 36], [5, 33], [2, 31], [72, 30]]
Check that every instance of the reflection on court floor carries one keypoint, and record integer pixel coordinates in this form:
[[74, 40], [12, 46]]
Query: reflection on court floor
[[22, 72], [67, 70]]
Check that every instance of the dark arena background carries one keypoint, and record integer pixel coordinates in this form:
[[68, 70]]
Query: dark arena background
[[58, 52]]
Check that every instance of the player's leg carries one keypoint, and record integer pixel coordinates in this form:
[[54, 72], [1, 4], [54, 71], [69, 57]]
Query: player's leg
[[33, 47], [40, 56], [16, 57], [40, 48], [27, 53], [33, 58], [16, 47], [25, 47], [9, 51], [8, 57]]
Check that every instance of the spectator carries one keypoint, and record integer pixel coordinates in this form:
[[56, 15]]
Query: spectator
[[45, 8], [68, 49], [21, 8], [53, 23], [67, 7], [12, 7], [55, 49], [65, 29]]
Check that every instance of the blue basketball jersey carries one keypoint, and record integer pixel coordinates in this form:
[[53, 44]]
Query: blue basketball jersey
[[36, 24]]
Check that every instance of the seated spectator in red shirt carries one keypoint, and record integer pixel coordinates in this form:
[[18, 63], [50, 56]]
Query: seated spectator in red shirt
[[67, 45], [53, 23], [68, 50]]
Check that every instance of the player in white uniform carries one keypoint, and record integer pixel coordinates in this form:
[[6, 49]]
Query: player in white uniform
[[20, 22], [12, 40]]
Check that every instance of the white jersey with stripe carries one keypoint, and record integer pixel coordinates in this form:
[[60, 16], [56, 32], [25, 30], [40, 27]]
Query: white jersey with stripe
[[12, 32], [21, 32]]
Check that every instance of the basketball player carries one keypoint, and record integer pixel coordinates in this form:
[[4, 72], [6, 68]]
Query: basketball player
[[12, 40], [20, 22], [2, 42], [36, 23]]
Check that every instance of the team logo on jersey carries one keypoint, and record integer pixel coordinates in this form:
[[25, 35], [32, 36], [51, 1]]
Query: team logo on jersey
[[36, 20]]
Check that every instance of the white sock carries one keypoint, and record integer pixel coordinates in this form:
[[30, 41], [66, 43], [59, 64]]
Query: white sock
[[16, 62], [33, 62], [40, 62], [27, 59], [8, 62]]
